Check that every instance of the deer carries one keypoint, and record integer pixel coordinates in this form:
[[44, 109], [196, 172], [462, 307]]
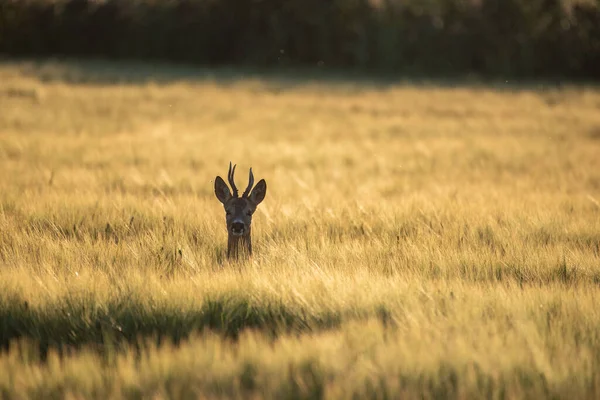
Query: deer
[[239, 210]]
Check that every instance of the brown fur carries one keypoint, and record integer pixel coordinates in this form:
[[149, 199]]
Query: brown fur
[[238, 212]]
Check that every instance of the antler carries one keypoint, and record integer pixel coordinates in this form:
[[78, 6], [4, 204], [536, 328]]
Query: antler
[[250, 184], [230, 179]]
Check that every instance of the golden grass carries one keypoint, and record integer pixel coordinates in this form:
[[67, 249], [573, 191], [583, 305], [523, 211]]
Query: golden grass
[[416, 241]]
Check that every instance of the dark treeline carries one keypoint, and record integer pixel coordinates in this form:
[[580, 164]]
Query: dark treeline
[[521, 38]]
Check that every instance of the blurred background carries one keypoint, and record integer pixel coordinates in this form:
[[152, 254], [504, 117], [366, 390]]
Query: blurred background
[[489, 38]]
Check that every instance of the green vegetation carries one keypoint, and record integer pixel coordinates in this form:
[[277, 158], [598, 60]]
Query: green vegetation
[[416, 241], [448, 38]]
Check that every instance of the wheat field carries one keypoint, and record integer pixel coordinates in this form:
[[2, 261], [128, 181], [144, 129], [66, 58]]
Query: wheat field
[[418, 239]]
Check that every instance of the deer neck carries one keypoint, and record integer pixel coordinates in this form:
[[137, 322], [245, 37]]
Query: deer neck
[[239, 245]]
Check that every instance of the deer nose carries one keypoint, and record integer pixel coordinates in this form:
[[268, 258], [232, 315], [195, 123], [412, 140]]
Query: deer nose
[[237, 228]]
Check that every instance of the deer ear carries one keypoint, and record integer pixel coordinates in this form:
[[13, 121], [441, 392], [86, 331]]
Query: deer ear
[[221, 190], [259, 192]]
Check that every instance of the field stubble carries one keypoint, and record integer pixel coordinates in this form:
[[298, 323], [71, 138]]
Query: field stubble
[[416, 240]]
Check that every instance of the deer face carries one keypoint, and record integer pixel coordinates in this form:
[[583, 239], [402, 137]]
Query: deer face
[[239, 210]]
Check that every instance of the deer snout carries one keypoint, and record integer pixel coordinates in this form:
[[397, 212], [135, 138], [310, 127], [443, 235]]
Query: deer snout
[[238, 228]]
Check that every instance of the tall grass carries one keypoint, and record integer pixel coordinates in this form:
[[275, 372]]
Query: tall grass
[[417, 240]]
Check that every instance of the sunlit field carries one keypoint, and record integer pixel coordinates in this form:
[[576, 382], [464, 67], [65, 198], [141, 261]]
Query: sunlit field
[[418, 239]]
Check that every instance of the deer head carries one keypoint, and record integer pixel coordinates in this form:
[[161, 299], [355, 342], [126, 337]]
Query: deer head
[[239, 210]]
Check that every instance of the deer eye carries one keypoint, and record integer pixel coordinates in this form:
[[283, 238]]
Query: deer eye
[[227, 212], [248, 213]]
